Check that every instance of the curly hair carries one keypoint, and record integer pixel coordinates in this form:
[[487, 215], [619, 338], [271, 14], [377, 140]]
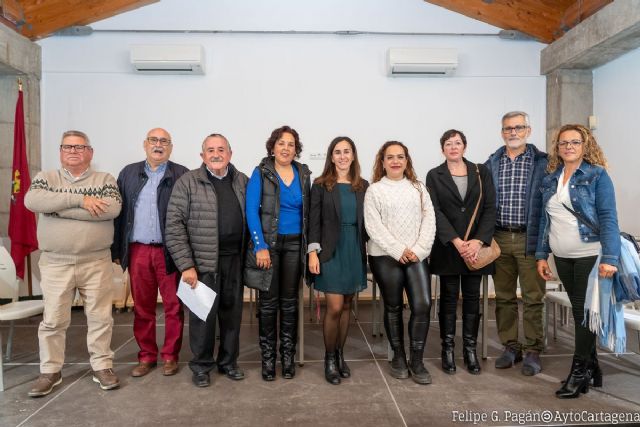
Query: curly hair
[[329, 176], [591, 151], [277, 134], [378, 170]]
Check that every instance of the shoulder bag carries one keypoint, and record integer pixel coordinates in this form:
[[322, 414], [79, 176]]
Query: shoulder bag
[[486, 254]]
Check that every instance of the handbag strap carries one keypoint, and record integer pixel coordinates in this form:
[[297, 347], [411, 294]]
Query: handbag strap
[[583, 219], [475, 211]]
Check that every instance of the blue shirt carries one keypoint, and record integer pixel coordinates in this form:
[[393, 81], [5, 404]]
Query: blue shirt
[[512, 189], [146, 221], [290, 215]]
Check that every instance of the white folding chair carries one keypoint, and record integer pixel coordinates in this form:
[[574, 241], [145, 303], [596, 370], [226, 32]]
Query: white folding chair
[[15, 309]]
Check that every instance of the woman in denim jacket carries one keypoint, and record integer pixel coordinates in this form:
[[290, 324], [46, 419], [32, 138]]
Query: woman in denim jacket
[[578, 180]]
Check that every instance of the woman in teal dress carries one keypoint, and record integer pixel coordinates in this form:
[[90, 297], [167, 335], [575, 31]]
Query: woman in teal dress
[[337, 248]]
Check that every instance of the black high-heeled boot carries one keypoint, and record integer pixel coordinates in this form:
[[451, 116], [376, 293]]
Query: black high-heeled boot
[[343, 368], [447, 335], [267, 340], [288, 336], [470, 323], [331, 373], [577, 382]]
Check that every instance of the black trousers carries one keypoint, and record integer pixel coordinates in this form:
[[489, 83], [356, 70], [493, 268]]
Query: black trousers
[[574, 274], [450, 286], [227, 308], [282, 298], [394, 278]]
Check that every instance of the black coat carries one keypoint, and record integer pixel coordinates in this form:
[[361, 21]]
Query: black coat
[[324, 220], [453, 215], [130, 182]]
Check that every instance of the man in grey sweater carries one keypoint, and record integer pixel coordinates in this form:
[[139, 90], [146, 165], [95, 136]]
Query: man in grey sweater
[[77, 206]]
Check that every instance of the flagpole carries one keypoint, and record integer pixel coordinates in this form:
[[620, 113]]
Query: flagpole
[[29, 278]]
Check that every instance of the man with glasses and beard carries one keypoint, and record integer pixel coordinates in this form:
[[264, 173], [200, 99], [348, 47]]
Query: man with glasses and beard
[[517, 169], [206, 237], [77, 206], [138, 244]]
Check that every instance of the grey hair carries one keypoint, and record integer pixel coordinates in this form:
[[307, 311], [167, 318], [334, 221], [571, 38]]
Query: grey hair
[[76, 133], [512, 114], [219, 135]]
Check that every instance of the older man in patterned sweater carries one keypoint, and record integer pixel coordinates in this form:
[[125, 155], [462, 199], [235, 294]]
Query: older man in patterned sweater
[[77, 206]]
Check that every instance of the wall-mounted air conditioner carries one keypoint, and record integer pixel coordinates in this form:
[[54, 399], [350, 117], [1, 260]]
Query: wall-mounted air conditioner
[[168, 59], [421, 62]]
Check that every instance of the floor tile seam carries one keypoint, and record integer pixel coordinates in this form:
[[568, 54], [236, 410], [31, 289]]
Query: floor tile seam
[[384, 379], [54, 398]]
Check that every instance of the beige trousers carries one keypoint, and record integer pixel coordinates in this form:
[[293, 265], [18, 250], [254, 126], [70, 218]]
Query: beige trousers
[[93, 280]]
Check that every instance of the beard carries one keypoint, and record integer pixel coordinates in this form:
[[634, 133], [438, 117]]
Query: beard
[[516, 143]]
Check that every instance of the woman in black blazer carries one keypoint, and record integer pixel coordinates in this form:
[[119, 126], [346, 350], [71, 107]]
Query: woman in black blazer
[[337, 251], [454, 189]]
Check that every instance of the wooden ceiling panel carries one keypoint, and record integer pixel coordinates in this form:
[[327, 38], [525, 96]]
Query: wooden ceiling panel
[[544, 20], [44, 17]]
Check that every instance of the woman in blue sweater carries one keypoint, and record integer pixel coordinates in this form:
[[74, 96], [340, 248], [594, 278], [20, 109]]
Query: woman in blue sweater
[[277, 210]]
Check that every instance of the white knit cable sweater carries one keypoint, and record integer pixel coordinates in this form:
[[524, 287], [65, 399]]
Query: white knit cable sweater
[[397, 216]]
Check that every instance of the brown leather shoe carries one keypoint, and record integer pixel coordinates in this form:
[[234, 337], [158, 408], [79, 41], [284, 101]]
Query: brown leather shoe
[[143, 369], [170, 368], [45, 384], [107, 379]]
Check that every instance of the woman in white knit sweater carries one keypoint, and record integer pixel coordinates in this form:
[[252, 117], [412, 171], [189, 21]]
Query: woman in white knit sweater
[[401, 224]]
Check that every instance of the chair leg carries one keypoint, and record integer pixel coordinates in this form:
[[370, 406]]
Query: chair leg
[[436, 297], [1, 366], [355, 306], [555, 321], [301, 323], [485, 309], [10, 341]]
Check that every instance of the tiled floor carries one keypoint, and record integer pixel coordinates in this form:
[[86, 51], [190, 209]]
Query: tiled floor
[[370, 397]]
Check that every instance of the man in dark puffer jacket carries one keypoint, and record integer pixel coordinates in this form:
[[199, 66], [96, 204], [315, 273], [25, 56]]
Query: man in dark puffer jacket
[[205, 234]]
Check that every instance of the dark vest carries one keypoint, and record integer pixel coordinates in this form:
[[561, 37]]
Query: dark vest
[[269, 215]]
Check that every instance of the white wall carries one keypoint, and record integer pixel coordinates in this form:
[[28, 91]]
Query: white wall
[[616, 92], [322, 85]]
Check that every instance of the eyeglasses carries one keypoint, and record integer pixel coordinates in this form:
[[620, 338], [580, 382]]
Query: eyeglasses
[[155, 141], [66, 148], [519, 129], [565, 144]]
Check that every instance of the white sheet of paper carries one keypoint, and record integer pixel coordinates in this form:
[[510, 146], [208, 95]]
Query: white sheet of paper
[[198, 300]]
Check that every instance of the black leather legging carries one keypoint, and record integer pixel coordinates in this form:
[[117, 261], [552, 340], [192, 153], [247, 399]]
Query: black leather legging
[[282, 297], [394, 277]]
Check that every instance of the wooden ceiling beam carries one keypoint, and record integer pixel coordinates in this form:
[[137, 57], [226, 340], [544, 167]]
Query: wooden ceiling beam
[[544, 20], [578, 11], [43, 18], [538, 19]]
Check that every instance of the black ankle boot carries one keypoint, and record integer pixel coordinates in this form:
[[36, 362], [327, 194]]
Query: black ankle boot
[[343, 368], [399, 368], [594, 369], [419, 373], [331, 373], [470, 323], [577, 382], [447, 335]]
